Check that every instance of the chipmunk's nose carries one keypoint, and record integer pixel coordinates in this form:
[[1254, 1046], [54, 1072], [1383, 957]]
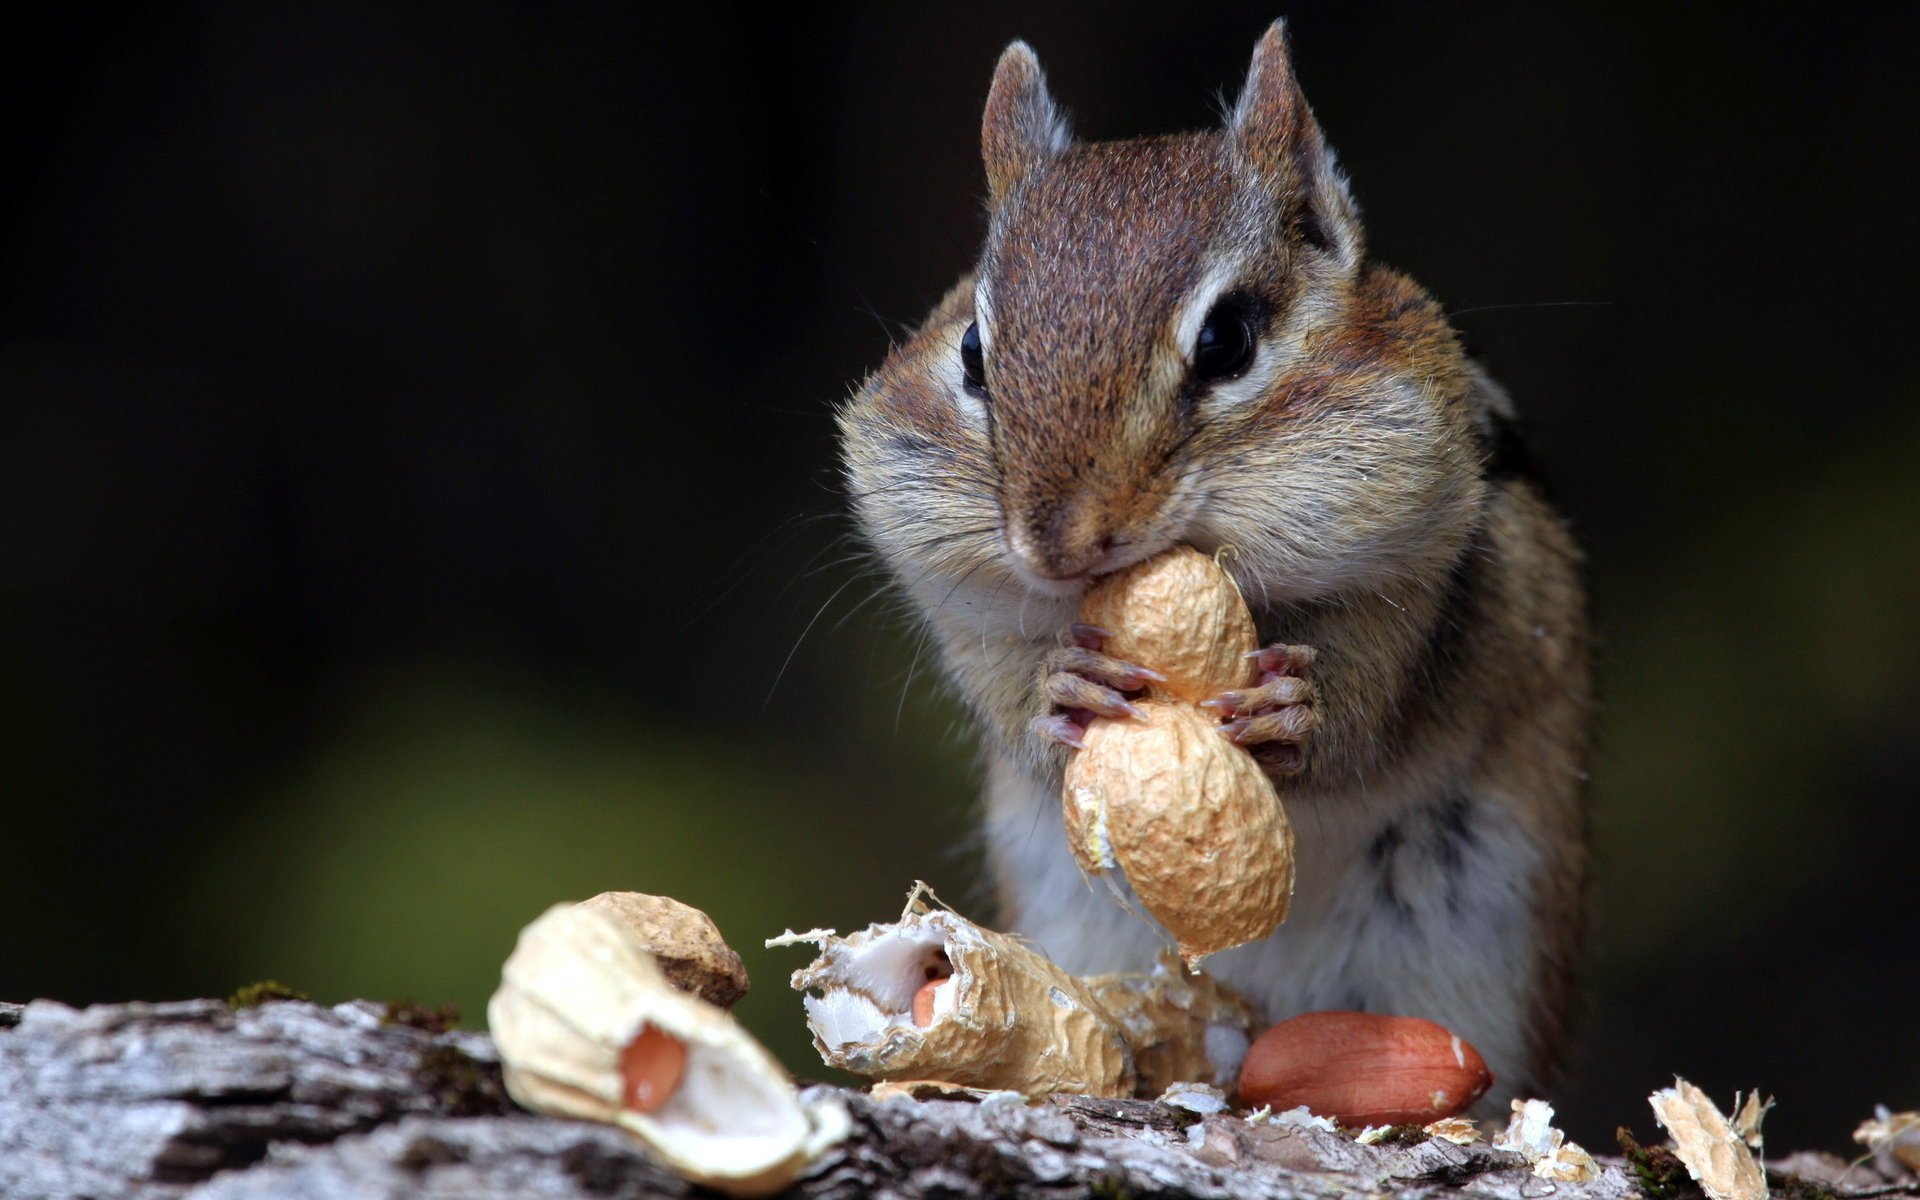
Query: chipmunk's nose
[[1068, 541]]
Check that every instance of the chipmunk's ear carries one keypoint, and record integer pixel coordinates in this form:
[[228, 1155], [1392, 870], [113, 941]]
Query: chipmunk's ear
[[1273, 133], [1022, 125]]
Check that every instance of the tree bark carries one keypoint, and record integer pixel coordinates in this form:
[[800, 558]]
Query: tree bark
[[294, 1101]]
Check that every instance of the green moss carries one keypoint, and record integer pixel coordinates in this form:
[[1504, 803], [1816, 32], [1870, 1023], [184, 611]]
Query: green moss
[[1403, 1135], [1183, 1118], [461, 1085], [265, 991], [1110, 1188], [1659, 1171], [429, 1018]]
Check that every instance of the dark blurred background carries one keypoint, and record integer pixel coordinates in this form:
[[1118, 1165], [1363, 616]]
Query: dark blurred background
[[418, 502]]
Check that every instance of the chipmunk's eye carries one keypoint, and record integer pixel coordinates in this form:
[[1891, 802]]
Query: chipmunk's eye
[[1225, 345], [973, 363]]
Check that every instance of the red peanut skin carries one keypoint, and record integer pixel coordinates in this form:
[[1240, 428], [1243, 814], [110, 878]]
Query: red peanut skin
[[650, 1068], [1363, 1069], [923, 1003]]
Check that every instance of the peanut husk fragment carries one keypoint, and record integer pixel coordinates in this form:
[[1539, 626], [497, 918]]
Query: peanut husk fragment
[[1458, 1130], [932, 1089], [1893, 1139], [1532, 1135], [1715, 1154], [1182, 1028]]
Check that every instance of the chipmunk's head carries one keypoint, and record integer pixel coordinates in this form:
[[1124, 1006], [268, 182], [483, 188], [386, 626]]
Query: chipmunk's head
[[1167, 340]]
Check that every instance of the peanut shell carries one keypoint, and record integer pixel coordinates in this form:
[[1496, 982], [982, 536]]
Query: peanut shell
[[1000, 1017], [685, 943], [1180, 614], [1191, 820], [589, 1027], [1182, 1028], [1716, 1156]]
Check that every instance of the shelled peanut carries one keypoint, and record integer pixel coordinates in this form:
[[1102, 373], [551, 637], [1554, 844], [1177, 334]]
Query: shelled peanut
[[1364, 1069]]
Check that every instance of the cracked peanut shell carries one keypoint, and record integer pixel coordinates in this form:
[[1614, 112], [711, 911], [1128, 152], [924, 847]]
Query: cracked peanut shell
[[589, 1027], [1002, 1016]]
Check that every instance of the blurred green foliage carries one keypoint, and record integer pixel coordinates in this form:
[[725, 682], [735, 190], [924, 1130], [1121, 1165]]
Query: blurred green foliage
[[443, 815], [1769, 646]]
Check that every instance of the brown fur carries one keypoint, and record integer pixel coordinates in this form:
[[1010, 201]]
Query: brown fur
[[1346, 469]]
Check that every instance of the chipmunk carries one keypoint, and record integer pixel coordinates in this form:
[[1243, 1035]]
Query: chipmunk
[[1181, 340]]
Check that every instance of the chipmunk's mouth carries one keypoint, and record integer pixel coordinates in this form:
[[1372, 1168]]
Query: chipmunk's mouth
[[1058, 548], [1061, 589], [1042, 573]]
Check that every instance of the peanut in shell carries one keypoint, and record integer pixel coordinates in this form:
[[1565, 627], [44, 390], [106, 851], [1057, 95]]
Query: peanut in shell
[[1188, 817], [1180, 614]]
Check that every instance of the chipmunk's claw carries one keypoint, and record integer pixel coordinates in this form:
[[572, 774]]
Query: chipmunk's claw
[[1090, 637], [1274, 691], [1292, 724], [1277, 715], [1283, 660], [1069, 689], [1080, 682], [1061, 728]]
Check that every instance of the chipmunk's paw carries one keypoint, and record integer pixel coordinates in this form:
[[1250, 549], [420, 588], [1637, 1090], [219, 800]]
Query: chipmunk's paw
[[1081, 683], [1276, 716]]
